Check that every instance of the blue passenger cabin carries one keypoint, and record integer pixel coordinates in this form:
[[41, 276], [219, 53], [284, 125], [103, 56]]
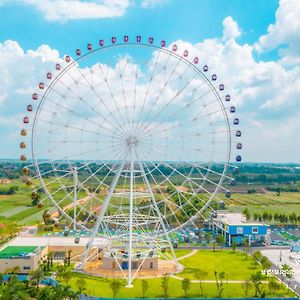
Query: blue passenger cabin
[[236, 228]]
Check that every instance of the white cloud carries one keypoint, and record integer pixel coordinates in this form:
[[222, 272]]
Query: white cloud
[[284, 34], [152, 3], [61, 10], [231, 29]]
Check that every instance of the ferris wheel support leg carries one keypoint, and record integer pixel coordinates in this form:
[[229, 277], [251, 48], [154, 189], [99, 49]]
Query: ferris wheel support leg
[[101, 214], [75, 175], [129, 278], [157, 209]]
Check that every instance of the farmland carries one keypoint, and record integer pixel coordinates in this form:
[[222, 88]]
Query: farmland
[[286, 203]]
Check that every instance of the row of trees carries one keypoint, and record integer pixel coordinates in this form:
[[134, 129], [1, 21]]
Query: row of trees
[[255, 281], [282, 218], [9, 191]]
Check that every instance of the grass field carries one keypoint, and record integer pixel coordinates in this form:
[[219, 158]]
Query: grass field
[[241, 266], [17, 207], [99, 287]]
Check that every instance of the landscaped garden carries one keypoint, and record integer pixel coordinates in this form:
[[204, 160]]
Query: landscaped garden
[[206, 274]]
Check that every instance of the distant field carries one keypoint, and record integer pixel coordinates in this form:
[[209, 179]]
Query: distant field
[[17, 207], [269, 202]]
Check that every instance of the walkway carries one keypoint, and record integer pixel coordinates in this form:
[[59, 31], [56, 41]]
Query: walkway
[[188, 255]]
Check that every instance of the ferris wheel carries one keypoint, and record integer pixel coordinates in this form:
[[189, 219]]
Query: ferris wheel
[[131, 141]]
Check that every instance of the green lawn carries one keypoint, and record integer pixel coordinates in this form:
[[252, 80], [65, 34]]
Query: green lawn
[[234, 264], [182, 252], [99, 287]]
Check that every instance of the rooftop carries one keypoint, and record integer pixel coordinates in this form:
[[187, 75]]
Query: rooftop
[[55, 241], [230, 218], [17, 251]]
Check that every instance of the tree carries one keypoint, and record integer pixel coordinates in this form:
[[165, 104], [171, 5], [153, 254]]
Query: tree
[[256, 279], [49, 260], [288, 271], [186, 286], [233, 246], [36, 276], [115, 286], [265, 216], [69, 257], [81, 285], [220, 240], [273, 285], [246, 248], [246, 213], [257, 256], [165, 285], [220, 276], [145, 287], [67, 275], [207, 236], [266, 264], [246, 285], [60, 269], [200, 275]]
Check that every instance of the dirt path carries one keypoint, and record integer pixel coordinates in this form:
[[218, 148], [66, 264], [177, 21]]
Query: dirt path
[[55, 214]]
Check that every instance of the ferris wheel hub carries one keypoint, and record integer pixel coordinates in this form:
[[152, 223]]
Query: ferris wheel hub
[[132, 141]]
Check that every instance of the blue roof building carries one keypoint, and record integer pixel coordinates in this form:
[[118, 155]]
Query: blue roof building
[[235, 227]]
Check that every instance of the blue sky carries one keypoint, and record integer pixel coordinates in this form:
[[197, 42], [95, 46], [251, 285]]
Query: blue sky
[[253, 45]]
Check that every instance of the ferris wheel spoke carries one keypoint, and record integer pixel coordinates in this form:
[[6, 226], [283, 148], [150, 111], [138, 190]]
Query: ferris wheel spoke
[[206, 177], [186, 123], [179, 111], [85, 118], [199, 187], [121, 74], [68, 194], [142, 128], [69, 126], [172, 184], [168, 202], [160, 92], [92, 88], [82, 100], [148, 88], [126, 129]]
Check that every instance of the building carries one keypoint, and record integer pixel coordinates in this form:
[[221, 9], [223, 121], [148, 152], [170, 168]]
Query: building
[[27, 252], [117, 260], [23, 259], [235, 228]]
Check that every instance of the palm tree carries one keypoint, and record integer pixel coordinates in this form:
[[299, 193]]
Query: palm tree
[[60, 269], [69, 257], [67, 275], [200, 275], [37, 275], [256, 279]]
